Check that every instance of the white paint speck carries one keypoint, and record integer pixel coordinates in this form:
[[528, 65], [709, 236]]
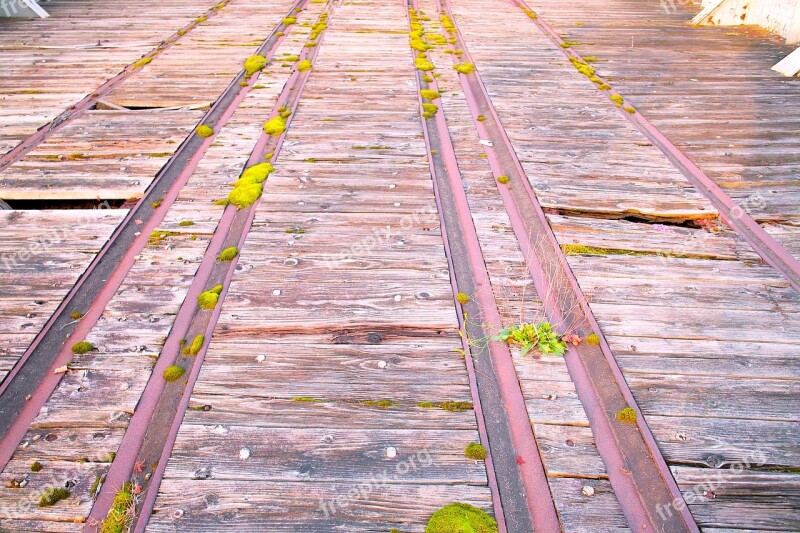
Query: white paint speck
[[397, 298], [276, 292], [261, 358], [391, 452], [587, 490], [485, 142], [244, 453], [381, 364], [392, 186]]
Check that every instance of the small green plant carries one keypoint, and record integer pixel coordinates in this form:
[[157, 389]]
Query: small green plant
[[481, 118], [539, 336], [173, 373], [462, 298], [256, 173], [52, 496], [431, 109], [82, 347], [383, 404], [275, 126], [429, 94], [76, 315], [185, 223], [423, 64], [304, 65], [288, 21], [204, 131], [36, 466], [464, 68], [228, 254], [426, 405], [461, 518], [120, 516], [593, 339], [503, 179], [617, 99], [455, 407], [141, 62], [475, 451], [627, 415], [254, 63], [629, 109]]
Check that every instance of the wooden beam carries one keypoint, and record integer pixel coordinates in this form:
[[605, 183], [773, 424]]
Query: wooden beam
[[789, 65]]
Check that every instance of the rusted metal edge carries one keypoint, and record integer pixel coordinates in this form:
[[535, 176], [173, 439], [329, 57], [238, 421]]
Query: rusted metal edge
[[148, 441], [77, 109], [526, 503], [642, 481], [32, 380], [769, 249]]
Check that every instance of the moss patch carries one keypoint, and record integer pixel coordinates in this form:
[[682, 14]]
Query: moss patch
[[429, 94], [194, 348], [464, 68], [36, 466], [475, 451], [141, 62], [204, 131], [461, 518], [76, 315], [503, 179], [52, 496], [593, 339], [246, 195], [120, 516], [384, 404], [627, 415], [208, 299], [173, 373], [423, 64], [254, 63], [304, 65], [455, 407], [275, 125], [257, 173], [228, 254], [82, 347], [462, 298]]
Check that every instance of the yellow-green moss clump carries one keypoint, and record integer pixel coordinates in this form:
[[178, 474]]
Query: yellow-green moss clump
[[82, 347], [288, 21], [464, 68], [209, 298], [174, 373], [185, 223], [423, 64], [475, 451], [141, 62], [275, 126], [52, 496], [593, 339], [194, 348], [245, 195], [120, 516], [429, 94], [462, 298], [36, 466], [304, 65], [76, 315], [255, 174], [627, 415], [228, 254], [617, 99], [254, 63], [431, 109], [503, 179], [461, 518], [629, 109], [204, 131]]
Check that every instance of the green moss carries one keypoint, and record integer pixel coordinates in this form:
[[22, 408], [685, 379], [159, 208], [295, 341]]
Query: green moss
[[426, 405], [228, 254], [475, 451], [208, 299], [204, 131], [627, 415], [98, 482], [275, 126], [173, 373], [427, 79], [201, 19], [461, 518], [629, 109], [82, 347], [310, 44], [194, 348], [185, 223], [304, 65], [462, 298], [423, 64], [617, 99], [76, 315], [254, 63], [593, 339], [141, 62], [52, 496], [429, 94], [464, 68], [120, 516], [419, 45], [590, 59], [181, 32], [503, 179], [256, 173], [221, 201], [603, 86], [582, 249], [436, 38], [455, 407], [481, 118], [36, 466], [430, 108], [384, 404], [307, 399], [245, 195], [288, 21]]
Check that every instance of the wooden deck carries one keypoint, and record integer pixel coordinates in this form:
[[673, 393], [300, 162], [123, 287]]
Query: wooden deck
[[340, 377]]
